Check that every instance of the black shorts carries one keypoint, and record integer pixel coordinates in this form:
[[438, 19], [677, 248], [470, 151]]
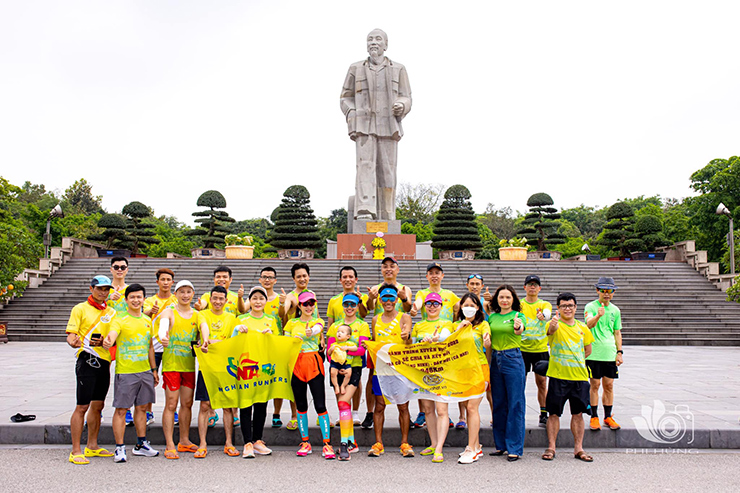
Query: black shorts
[[531, 358], [201, 392], [340, 366], [559, 391], [601, 369], [354, 378], [93, 378], [158, 359]]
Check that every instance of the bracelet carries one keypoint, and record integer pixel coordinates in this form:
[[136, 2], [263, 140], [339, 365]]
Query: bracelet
[[154, 370]]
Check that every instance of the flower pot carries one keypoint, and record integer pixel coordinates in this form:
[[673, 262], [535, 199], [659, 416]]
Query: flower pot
[[512, 253], [239, 251], [207, 253], [659, 256]]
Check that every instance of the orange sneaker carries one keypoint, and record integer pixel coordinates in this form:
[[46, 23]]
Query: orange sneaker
[[376, 450], [611, 423], [407, 450], [595, 425]]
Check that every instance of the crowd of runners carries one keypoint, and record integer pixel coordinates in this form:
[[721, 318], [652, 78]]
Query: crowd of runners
[[150, 339]]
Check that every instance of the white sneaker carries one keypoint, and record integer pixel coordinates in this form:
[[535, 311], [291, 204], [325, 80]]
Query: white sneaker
[[356, 418], [120, 454], [468, 456], [261, 449], [149, 418], [146, 450]]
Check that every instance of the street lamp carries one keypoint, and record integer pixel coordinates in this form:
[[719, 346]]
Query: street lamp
[[55, 212], [722, 210]]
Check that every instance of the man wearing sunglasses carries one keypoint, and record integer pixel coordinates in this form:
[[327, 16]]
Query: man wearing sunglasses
[[605, 321], [118, 271], [389, 269]]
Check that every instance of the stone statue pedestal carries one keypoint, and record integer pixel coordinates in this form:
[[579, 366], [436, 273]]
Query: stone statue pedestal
[[372, 226]]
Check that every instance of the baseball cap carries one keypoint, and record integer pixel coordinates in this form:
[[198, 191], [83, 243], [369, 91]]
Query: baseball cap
[[392, 259], [532, 278], [305, 296], [257, 289], [433, 297], [182, 283], [435, 265], [101, 282]]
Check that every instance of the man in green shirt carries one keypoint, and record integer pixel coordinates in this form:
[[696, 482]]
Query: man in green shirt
[[605, 322]]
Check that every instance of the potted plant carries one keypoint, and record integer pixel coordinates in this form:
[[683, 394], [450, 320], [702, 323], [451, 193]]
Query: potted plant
[[513, 249], [378, 244], [239, 246]]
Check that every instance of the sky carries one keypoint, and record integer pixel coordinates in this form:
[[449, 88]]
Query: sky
[[159, 101]]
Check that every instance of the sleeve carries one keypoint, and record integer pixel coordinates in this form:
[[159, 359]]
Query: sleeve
[[404, 92], [618, 320], [205, 301], [454, 298], [288, 328], [588, 338], [331, 336], [347, 97], [588, 311], [419, 296], [445, 333], [148, 304], [75, 318], [364, 336]]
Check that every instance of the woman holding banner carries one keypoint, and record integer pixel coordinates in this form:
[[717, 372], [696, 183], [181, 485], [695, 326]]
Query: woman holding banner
[[507, 373], [309, 372], [359, 332], [472, 313], [437, 413], [252, 426]]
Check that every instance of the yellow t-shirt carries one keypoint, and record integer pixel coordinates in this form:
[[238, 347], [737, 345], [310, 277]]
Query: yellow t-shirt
[[449, 300], [120, 304], [478, 332], [84, 322], [134, 336], [178, 355], [220, 326], [427, 328], [231, 306], [271, 308], [359, 329], [335, 309], [170, 302], [258, 324], [296, 326], [534, 337], [389, 333], [399, 303], [567, 351]]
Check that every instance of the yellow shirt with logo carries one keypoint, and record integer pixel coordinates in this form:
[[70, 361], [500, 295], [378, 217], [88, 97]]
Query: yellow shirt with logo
[[567, 351], [231, 306], [534, 337], [178, 355], [120, 304], [478, 332], [170, 302], [220, 326], [86, 320], [297, 327], [259, 324], [134, 337], [389, 333], [449, 300]]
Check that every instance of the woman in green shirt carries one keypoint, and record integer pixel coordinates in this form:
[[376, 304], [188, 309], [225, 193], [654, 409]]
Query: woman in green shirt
[[507, 373]]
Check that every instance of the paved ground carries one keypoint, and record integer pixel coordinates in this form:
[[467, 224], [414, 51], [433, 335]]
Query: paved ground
[[38, 378], [45, 468]]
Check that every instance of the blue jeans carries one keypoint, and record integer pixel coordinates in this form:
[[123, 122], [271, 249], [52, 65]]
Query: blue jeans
[[507, 389]]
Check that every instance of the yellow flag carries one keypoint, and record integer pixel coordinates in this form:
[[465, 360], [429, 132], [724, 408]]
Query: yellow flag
[[249, 368], [444, 371]]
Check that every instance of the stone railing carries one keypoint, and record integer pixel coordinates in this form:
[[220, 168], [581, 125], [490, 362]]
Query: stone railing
[[685, 251], [71, 248]]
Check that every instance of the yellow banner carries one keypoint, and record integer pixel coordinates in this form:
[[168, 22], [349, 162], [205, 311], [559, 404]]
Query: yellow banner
[[249, 368], [445, 371]]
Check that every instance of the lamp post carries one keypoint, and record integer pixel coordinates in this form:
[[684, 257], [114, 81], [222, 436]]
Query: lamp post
[[55, 212], [722, 210]]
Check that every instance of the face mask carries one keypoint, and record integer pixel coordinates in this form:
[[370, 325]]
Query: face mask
[[469, 311]]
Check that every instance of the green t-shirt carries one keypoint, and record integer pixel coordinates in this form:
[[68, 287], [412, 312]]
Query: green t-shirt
[[502, 330], [604, 347], [134, 335], [567, 351]]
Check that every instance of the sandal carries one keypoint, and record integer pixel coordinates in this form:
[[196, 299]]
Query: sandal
[[549, 454], [438, 458], [428, 451], [201, 453], [20, 418], [192, 448], [98, 452], [231, 451], [292, 425], [497, 453], [512, 458], [79, 460], [276, 423], [237, 422], [583, 456], [171, 454], [212, 420]]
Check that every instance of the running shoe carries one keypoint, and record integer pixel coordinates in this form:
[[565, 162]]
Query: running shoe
[[304, 449], [611, 423], [452, 425], [146, 450], [353, 448], [356, 418], [328, 452], [407, 450], [344, 451], [149, 418], [376, 450], [129, 418], [468, 456], [367, 423], [120, 454], [595, 425], [261, 449], [420, 421], [248, 452], [177, 418], [543, 421]]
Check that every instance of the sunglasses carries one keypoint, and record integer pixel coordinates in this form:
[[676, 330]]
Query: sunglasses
[[119, 267], [388, 297], [433, 303], [309, 303], [606, 291], [349, 304], [475, 276]]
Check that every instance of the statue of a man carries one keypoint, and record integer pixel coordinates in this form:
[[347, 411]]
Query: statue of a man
[[375, 97]]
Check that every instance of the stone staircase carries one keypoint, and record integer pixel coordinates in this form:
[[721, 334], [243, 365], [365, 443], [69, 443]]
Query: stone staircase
[[663, 303]]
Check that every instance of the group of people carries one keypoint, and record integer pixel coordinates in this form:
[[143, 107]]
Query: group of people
[[571, 359]]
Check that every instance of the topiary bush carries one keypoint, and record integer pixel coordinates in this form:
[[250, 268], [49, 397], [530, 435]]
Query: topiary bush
[[139, 232], [114, 233], [540, 225], [455, 227], [649, 230], [295, 223], [212, 224], [619, 231]]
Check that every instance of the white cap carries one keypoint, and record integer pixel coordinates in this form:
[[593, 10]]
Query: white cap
[[184, 283]]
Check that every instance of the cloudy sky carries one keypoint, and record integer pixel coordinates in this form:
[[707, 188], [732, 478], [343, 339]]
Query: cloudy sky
[[159, 101]]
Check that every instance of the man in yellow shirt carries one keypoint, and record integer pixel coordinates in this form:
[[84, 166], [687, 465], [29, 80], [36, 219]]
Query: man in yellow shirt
[[222, 276], [88, 325], [118, 271], [570, 344]]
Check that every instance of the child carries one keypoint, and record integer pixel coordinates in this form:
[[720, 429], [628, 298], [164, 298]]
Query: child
[[339, 358]]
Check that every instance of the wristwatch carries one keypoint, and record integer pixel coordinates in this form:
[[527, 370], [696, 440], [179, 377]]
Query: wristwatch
[[620, 352]]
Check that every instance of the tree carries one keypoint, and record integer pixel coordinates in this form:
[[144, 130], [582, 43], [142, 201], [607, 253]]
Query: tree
[[589, 221], [649, 231], [619, 233], [114, 231], [141, 233], [213, 224], [418, 202], [499, 221], [489, 241], [295, 223], [330, 227], [540, 225], [455, 227], [78, 199], [423, 232]]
